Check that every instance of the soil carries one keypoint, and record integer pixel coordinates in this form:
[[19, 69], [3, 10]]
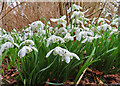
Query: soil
[[90, 78]]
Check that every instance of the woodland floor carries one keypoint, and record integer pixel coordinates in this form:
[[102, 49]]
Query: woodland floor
[[90, 78]]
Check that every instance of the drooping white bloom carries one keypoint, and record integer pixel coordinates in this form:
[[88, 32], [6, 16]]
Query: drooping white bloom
[[8, 37], [77, 21], [66, 55], [90, 39], [6, 45], [114, 31], [78, 14], [27, 29], [60, 20], [104, 27], [68, 37], [84, 34], [25, 50], [36, 25], [93, 20], [74, 7], [102, 20], [54, 39], [27, 42], [115, 22], [57, 51], [61, 30], [1, 33], [107, 14]]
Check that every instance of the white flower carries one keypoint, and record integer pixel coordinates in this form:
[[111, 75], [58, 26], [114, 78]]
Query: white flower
[[60, 20], [90, 39], [8, 37], [115, 22], [57, 50], [54, 39], [93, 20], [84, 34], [68, 37], [25, 50], [61, 30], [27, 29], [27, 35], [67, 56], [104, 27], [6, 45], [27, 42], [36, 25], [74, 7], [78, 14], [102, 20], [114, 31]]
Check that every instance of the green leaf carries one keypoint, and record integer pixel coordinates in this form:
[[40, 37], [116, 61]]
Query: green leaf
[[86, 64]]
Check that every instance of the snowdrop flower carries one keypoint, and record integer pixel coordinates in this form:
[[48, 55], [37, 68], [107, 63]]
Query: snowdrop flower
[[27, 29], [36, 25], [85, 28], [107, 14], [60, 20], [25, 50], [67, 56], [78, 14], [115, 22], [74, 7], [69, 29], [27, 42], [28, 35], [84, 34], [6, 45], [77, 21], [68, 37], [57, 51], [102, 20], [54, 39], [90, 39], [41, 32], [104, 27], [114, 31], [93, 21], [61, 30], [1, 33], [8, 37]]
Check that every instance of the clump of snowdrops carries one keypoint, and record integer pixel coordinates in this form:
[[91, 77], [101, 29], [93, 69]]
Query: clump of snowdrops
[[43, 52]]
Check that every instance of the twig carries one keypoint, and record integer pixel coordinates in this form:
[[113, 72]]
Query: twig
[[2, 8], [82, 75], [94, 13], [101, 11], [11, 10], [24, 16]]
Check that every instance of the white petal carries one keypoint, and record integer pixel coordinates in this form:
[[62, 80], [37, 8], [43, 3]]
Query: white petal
[[22, 52], [54, 20], [48, 54], [16, 44], [84, 40], [73, 54], [67, 59], [34, 49]]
